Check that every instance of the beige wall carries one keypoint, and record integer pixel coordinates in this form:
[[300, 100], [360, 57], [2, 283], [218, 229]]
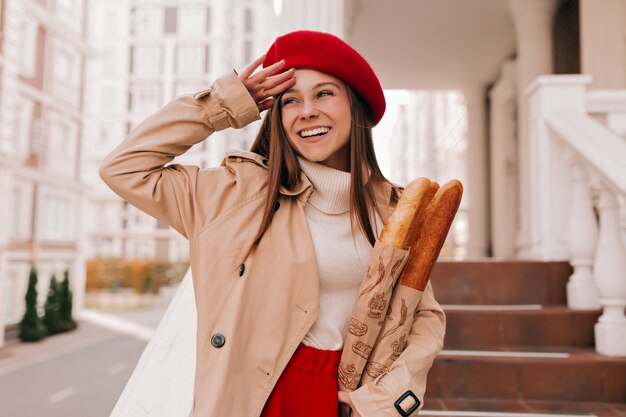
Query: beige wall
[[603, 42]]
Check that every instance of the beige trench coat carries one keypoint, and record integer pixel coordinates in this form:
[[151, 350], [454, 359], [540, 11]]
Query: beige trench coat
[[252, 315]]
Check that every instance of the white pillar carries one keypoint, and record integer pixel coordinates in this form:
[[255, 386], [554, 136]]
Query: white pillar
[[602, 45], [533, 27], [582, 292], [548, 171], [610, 276], [476, 191], [503, 152]]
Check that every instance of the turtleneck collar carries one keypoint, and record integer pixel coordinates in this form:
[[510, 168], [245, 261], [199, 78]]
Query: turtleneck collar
[[331, 187]]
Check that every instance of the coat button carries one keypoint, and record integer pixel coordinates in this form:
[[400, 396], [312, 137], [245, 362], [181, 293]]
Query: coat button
[[242, 269], [218, 340]]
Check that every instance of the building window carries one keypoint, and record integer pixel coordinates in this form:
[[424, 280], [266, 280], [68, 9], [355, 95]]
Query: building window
[[63, 67], [66, 4], [61, 150], [108, 62], [108, 98], [24, 124], [146, 60], [187, 87], [112, 19], [27, 52], [145, 98], [192, 21], [191, 60], [248, 22], [55, 217], [169, 24], [16, 220], [146, 21], [247, 51], [21, 217]]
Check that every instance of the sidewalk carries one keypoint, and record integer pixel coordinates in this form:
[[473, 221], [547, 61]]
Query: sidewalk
[[94, 326]]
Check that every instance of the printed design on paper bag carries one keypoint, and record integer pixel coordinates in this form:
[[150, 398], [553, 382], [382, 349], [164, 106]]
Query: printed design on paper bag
[[381, 275], [403, 315], [348, 376], [397, 346], [396, 265], [361, 349], [375, 369], [357, 328], [376, 305]]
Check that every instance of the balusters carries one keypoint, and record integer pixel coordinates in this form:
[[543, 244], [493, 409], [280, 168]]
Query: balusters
[[610, 278], [582, 235]]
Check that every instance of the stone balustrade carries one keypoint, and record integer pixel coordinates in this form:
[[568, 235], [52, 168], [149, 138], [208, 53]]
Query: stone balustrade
[[578, 187]]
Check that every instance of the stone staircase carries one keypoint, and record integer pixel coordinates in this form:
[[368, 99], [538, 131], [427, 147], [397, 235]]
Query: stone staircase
[[514, 348]]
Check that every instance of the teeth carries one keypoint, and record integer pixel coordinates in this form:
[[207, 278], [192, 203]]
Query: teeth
[[314, 132]]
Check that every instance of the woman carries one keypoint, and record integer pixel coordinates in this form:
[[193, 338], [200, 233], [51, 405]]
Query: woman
[[279, 237]]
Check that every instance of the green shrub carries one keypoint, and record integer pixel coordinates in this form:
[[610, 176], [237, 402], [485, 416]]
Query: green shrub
[[52, 308], [31, 328], [65, 305]]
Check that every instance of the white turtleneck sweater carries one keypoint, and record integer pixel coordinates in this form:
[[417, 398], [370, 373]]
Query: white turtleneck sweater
[[342, 258]]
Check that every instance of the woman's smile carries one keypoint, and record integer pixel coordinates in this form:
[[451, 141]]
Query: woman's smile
[[316, 118]]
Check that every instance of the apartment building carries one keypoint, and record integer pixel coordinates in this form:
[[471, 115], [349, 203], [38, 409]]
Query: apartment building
[[41, 122], [147, 53]]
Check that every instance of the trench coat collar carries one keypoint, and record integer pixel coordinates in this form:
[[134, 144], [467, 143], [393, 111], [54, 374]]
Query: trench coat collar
[[386, 194]]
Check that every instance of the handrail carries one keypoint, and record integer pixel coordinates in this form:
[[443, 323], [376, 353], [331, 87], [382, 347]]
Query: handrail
[[594, 143], [606, 101]]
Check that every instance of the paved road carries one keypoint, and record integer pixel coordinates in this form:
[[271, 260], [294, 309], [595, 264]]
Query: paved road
[[77, 374]]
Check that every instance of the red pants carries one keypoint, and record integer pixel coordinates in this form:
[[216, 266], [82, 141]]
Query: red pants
[[307, 386]]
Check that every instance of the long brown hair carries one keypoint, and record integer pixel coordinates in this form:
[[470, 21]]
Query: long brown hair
[[284, 169]]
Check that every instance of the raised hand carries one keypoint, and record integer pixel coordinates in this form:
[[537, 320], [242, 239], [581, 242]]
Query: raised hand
[[262, 85]]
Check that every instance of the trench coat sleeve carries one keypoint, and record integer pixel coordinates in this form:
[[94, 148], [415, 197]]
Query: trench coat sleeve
[[409, 371], [136, 170]]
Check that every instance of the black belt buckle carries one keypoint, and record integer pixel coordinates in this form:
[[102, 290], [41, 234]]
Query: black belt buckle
[[408, 412]]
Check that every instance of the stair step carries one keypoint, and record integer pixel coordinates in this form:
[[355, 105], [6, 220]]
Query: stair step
[[545, 375], [489, 327], [448, 407], [500, 282]]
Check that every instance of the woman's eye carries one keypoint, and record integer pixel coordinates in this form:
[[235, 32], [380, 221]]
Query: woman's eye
[[325, 93], [288, 101]]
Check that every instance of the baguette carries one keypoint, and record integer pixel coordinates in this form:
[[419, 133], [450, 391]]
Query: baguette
[[431, 235], [416, 225], [395, 233]]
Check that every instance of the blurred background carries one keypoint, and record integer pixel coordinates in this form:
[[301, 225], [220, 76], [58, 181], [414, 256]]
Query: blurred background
[[524, 101]]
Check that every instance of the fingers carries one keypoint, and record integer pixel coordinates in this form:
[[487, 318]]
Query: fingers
[[253, 66], [268, 71], [263, 93], [277, 84]]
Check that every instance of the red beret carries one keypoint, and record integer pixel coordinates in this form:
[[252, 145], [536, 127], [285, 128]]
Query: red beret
[[327, 53]]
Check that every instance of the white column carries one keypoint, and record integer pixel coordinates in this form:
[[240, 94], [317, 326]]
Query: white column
[[533, 28], [610, 276], [582, 292], [503, 152], [476, 191], [602, 45], [548, 171]]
